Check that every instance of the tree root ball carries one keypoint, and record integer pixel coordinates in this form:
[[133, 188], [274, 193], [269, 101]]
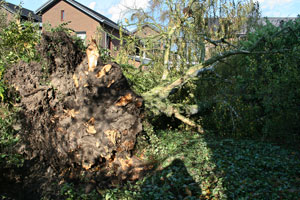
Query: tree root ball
[[75, 117]]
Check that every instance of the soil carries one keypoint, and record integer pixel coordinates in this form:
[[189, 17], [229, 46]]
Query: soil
[[75, 122]]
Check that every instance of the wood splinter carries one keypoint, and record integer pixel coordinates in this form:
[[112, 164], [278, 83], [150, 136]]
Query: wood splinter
[[92, 53]]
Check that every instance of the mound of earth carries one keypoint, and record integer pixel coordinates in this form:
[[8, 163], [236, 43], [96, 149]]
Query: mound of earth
[[75, 120]]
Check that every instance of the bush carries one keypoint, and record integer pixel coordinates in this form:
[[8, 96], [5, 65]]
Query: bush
[[8, 139], [17, 42], [257, 94]]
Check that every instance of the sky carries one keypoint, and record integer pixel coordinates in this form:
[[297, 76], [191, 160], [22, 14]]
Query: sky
[[113, 8]]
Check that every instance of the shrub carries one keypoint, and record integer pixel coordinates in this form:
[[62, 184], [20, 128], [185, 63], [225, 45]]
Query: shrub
[[8, 139], [17, 42], [257, 94]]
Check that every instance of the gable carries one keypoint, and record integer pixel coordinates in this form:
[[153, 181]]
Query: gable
[[87, 11], [78, 21], [71, 14], [145, 31]]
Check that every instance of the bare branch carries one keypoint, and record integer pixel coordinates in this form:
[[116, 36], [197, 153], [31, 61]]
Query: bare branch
[[188, 121], [219, 42]]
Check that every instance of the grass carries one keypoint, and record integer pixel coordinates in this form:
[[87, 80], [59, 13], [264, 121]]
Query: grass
[[195, 167]]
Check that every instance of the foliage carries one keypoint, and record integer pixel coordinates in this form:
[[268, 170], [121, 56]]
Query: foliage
[[227, 168], [17, 42], [70, 192], [141, 81], [8, 139], [257, 94], [104, 52]]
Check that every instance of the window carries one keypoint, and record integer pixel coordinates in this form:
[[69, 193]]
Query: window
[[81, 35], [62, 15]]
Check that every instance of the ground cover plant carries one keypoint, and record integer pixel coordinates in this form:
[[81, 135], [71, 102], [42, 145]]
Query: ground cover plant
[[193, 166], [8, 139]]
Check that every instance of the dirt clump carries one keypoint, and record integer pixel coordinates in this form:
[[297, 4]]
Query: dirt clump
[[74, 119]]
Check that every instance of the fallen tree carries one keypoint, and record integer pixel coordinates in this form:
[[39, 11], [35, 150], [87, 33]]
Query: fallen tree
[[157, 98], [186, 39], [81, 118]]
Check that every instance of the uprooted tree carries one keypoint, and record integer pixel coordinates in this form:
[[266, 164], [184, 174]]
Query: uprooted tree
[[78, 115], [81, 117]]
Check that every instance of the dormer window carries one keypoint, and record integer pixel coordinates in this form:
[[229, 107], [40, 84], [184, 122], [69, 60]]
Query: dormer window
[[62, 15]]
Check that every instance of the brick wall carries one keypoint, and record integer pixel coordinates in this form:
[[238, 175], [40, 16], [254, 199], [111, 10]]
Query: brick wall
[[9, 15], [79, 21], [145, 31]]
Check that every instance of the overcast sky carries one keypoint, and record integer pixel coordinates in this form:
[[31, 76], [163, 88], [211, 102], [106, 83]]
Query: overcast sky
[[113, 8]]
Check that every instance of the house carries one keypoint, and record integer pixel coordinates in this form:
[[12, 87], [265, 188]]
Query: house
[[83, 20], [10, 10], [142, 33], [145, 31]]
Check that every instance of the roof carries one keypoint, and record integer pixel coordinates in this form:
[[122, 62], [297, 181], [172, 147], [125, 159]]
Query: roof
[[276, 21], [25, 13], [97, 16], [145, 25]]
